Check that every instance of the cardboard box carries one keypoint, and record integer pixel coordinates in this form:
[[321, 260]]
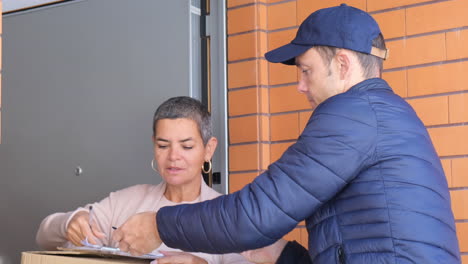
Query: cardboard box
[[76, 257]]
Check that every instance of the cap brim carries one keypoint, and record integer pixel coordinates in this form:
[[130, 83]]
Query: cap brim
[[286, 54]]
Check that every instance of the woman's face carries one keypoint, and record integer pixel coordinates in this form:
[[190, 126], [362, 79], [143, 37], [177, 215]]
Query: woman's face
[[179, 151]]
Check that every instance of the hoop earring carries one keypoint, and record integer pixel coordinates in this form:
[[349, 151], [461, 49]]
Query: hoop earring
[[203, 167], [152, 166]]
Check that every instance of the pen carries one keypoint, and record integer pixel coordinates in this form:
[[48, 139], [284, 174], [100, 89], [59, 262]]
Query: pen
[[90, 216]]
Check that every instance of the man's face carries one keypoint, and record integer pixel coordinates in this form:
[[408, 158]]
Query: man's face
[[319, 81]]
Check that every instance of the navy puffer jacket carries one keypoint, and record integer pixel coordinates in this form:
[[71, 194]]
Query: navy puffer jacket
[[363, 174]]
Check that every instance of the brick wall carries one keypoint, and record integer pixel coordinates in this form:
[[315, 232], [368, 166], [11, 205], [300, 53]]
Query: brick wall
[[428, 66]]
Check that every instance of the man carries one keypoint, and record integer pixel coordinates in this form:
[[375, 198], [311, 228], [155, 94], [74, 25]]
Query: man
[[363, 174]]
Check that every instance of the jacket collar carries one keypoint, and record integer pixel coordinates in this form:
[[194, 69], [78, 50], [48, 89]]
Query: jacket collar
[[370, 84]]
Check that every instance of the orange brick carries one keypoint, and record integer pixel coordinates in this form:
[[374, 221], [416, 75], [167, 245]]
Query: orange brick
[[303, 119], [447, 166], [287, 98], [398, 81], [462, 234], [306, 7], [396, 58], [438, 79], [392, 24], [460, 204], [415, 51], [264, 156], [244, 157], [249, 129], [458, 108], [460, 172], [464, 259], [237, 181], [450, 141], [262, 44], [264, 72], [281, 15], [247, 73], [280, 38], [264, 124], [437, 16], [284, 127], [373, 5], [1, 23], [432, 110], [248, 45], [245, 101], [262, 16], [264, 100], [249, 157], [457, 44], [242, 74], [295, 234], [241, 19], [233, 3], [246, 18], [304, 238], [278, 149], [244, 129], [281, 74]]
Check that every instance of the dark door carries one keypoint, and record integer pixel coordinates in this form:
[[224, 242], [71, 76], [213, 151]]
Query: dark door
[[81, 81]]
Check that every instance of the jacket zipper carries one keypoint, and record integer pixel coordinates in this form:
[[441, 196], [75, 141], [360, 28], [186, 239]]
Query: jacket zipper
[[341, 255]]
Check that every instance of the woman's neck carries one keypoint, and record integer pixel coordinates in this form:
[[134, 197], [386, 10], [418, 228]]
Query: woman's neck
[[183, 193]]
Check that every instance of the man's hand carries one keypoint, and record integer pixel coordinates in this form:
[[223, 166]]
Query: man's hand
[[171, 257], [139, 234], [269, 254]]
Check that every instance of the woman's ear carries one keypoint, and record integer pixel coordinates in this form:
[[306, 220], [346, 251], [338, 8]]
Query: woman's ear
[[210, 148]]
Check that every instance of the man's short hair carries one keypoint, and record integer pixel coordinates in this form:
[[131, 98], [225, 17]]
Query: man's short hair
[[372, 66]]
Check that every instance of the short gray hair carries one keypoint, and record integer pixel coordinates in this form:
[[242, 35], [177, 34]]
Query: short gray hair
[[185, 107]]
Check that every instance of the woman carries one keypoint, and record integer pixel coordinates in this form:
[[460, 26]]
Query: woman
[[183, 141]]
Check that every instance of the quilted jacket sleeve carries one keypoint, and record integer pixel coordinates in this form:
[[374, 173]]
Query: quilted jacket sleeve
[[335, 146]]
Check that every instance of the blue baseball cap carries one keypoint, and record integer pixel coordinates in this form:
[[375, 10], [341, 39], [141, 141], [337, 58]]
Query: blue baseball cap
[[341, 26]]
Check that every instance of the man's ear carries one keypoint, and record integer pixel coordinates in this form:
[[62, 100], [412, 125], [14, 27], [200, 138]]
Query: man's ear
[[344, 63], [210, 148]]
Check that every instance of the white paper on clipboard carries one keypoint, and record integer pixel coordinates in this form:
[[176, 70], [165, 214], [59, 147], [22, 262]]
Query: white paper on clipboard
[[109, 252]]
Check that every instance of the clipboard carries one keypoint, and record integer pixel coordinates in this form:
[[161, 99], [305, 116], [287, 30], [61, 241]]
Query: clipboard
[[103, 251]]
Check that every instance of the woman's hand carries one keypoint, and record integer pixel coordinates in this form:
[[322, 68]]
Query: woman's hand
[[268, 254], [171, 257], [79, 228]]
